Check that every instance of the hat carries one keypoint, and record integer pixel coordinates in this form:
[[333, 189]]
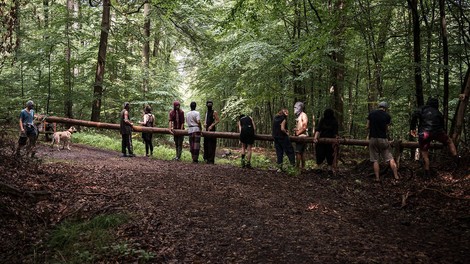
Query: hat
[[383, 104]]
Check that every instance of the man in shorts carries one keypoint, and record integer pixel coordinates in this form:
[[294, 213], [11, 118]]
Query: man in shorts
[[28, 130], [378, 122], [430, 127], [301, 124]]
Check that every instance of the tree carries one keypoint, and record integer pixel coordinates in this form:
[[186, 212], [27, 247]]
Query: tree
[[98, 86]]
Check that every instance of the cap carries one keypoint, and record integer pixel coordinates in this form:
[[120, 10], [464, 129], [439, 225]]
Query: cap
[[383, 104]]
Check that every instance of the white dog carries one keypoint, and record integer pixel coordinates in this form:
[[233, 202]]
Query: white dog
[[65, 136]]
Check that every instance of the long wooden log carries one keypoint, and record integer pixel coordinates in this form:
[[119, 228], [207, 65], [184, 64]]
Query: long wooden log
[[216, 134]]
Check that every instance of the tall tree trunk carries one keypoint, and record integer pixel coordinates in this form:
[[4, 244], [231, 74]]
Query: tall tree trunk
[[413, 4], [337, 73], [445, 49], [459, 117], [98, 86], [67, 66], [146, 49]]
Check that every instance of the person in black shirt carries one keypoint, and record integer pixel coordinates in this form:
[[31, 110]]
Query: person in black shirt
[[327, 128], [431, 127], [379, 147], [246, 127], [126, 131], [210, 143], [282, 144]]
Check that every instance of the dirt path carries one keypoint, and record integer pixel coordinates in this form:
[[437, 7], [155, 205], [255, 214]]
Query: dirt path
[[198, 213]]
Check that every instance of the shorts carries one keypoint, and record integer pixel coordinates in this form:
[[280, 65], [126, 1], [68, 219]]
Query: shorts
[[379, 148], [425, 138], [300, 147]]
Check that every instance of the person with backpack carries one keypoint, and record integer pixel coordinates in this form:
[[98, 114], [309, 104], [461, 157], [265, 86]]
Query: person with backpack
[[149, 120], [247, 128], [193, 119], [431, 127]]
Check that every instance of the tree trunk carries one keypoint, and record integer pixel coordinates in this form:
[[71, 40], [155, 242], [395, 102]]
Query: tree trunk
[[459, 118], [146, 49], [417, 52], [445, 48], [338, 59], [228, 135], [98, 86], [67, 66]]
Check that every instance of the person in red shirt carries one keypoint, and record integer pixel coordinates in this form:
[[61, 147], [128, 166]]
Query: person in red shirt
[[176, 121]]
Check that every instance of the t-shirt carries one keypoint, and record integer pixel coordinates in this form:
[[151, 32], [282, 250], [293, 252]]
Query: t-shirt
[[27, 118], [378, 123], [177, 117], [277, 121], [328, 128], [192, 118]]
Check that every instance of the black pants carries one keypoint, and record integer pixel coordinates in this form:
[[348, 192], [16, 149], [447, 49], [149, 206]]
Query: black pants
[[148, 143], [283, 145], [323, 151], [179, 145], [210, 145], [126, 143]]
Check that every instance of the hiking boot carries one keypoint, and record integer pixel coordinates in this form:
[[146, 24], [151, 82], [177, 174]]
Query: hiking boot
[[243, 163], [248, 165], [131, 155], [124, 155], [427, 175], [457, 160]]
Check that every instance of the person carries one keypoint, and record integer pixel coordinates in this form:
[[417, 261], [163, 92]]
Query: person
[[149, 120], [301, 121], [193, 120], [126, 132], [327, 128], [176, 121], [210, 123], [378, 122], [282, 144], [247, 128], [431, 127], [28, 130]]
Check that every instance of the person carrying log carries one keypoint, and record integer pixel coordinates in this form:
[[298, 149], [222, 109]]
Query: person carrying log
[[378, 122], [431, 127]]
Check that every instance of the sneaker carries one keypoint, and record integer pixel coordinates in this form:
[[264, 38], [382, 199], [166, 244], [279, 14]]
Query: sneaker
[[176, 158], [131, 155], [124, 155]]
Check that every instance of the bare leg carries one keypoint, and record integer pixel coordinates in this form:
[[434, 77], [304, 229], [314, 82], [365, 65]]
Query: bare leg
[[248, 153], [394, 167], [425, 155], [377, 170]]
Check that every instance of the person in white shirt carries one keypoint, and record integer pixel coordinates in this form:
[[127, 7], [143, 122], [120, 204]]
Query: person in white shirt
[[193, 120]]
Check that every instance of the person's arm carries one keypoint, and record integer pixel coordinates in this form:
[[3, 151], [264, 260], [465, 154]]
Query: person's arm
[[145, 120], [216, 121], [254, 126], [315, 136], [126, 118], [21, 124], [413, 123], [283, 127], [239, 127]]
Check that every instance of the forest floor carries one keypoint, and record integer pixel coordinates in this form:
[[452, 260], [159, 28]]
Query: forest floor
[[199, 213]]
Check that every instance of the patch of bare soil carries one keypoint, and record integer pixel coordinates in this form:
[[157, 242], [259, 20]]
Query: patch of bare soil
[[198, 213]]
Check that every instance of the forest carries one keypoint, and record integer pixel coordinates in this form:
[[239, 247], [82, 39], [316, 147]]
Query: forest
[[82, 59]]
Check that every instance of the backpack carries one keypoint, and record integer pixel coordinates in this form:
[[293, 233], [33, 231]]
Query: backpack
[[150, 120]]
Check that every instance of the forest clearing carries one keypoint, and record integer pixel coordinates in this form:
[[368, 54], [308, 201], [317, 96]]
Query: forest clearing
[[181, 212]]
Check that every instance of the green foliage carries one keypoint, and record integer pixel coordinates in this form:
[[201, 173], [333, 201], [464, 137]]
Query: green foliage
[[84, 241]]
